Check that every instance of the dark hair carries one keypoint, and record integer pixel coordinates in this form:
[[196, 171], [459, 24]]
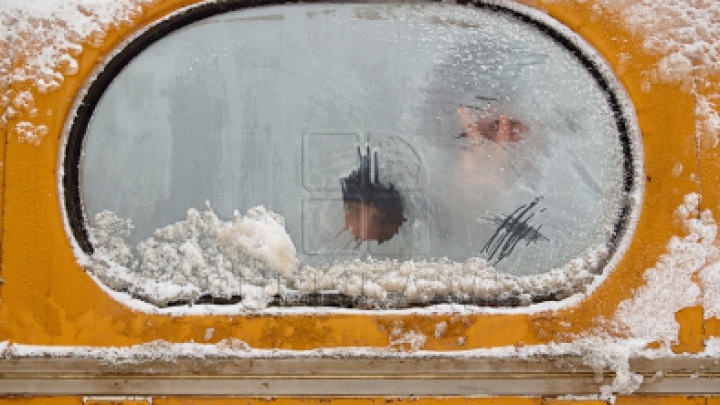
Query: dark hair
[[359, 187]]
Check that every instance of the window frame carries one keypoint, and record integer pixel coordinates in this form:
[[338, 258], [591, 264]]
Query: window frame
[[590, 59]]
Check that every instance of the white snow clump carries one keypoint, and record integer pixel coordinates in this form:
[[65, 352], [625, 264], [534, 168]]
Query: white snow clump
[[650, 314], [253, 257], [686, 35], [41, 41], [200, 255]]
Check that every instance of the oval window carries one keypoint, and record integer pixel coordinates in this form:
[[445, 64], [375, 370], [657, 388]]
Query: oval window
[[356, 155]]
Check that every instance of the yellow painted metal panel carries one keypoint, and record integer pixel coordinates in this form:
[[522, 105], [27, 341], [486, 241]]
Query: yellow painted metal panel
[[708, 90], [4, 89], [712, 327], [691, 338], [554, 401], [116, 401], [660, 400], [41, 401], [349, 401], [49, 299]]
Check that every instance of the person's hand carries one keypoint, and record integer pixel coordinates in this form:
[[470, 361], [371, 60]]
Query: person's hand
[[501, 131]]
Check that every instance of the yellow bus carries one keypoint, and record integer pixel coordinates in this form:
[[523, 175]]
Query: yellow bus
[[241, 202]]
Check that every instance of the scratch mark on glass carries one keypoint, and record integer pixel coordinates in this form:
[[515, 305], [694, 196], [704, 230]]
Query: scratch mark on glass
[[511, 230]]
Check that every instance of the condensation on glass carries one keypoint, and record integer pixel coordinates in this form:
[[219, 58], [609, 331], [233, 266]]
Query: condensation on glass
[[357, 155]]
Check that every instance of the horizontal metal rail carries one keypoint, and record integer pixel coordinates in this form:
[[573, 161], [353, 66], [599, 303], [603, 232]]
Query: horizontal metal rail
[[346, 376]]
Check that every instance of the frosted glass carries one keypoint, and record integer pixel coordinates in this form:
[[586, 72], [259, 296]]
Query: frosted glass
[[275, 106]]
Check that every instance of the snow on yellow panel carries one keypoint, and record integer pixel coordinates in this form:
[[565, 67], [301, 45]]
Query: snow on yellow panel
[[49, 299]]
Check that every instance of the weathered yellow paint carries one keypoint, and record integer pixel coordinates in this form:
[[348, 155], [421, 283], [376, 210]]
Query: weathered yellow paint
[[691, 338], [712, 327], [709, 145], [4, 88], [709, 157], [40, 400], [349, 401], [555, 401], [661, 400], [48, 298]]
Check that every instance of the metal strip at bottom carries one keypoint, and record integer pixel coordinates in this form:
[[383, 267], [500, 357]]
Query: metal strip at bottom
[[345, 377]]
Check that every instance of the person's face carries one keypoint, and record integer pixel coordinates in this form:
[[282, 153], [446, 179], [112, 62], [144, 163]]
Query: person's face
[[502, 129], [366, 222]]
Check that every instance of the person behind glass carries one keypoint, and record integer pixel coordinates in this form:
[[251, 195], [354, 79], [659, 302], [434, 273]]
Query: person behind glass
[[373, 210], [502, 130]]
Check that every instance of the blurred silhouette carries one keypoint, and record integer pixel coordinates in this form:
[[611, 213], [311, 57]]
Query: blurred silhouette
[[373, 210]]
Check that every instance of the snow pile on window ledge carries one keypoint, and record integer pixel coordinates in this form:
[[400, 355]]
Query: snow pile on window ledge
[[200, 255], [41, 41], [252, 258]]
